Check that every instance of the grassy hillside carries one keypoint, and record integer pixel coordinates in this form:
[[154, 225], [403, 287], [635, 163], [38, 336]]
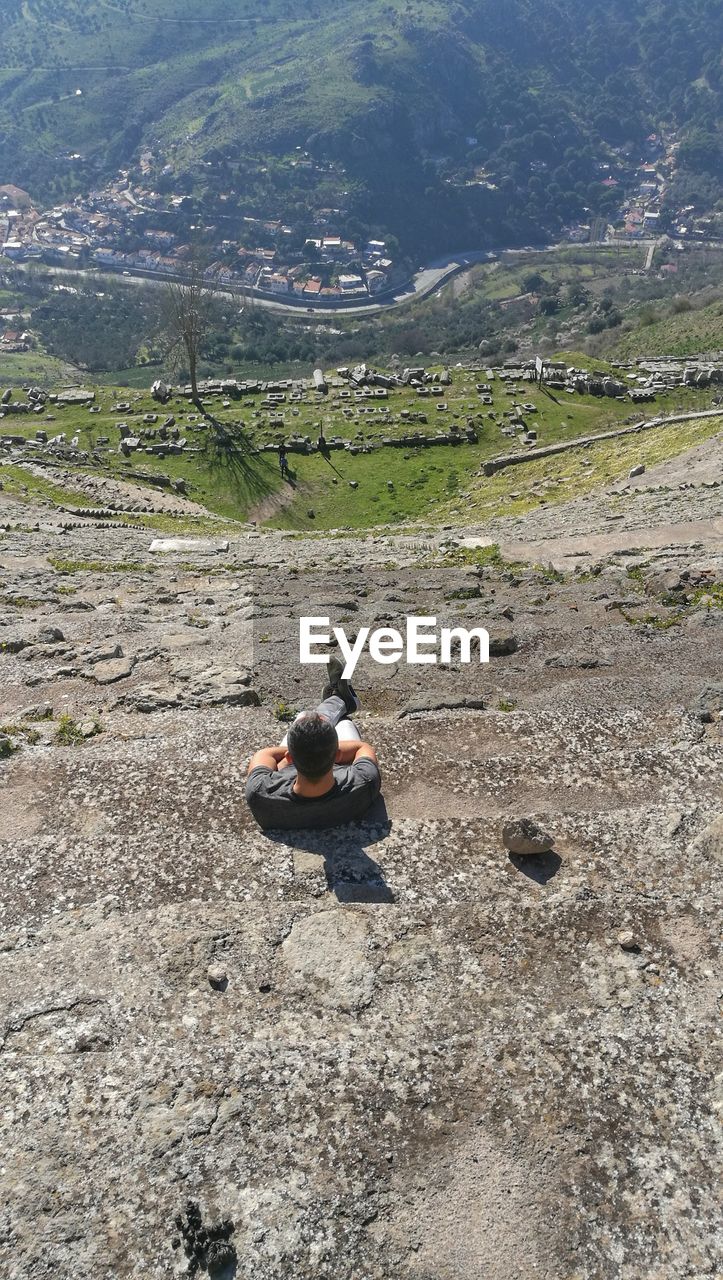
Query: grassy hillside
[[411, 96], [669, 331]]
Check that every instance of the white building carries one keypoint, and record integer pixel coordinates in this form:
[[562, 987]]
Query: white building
[[349, 283]]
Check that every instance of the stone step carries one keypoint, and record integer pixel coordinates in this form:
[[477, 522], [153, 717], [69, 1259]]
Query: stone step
[[431, 864]]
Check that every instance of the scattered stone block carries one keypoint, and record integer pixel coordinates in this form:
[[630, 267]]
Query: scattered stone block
[[627, 940], [217, 977], [189, 546], [50, 635]]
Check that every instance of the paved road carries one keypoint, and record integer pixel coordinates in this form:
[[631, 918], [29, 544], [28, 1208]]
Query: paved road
[[424, 282]]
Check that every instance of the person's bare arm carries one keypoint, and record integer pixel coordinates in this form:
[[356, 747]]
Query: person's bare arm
[[350, 752], [267, 758]]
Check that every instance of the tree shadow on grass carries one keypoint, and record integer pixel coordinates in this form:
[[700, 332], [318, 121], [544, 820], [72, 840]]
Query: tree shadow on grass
[[351, 874], [233, 460]]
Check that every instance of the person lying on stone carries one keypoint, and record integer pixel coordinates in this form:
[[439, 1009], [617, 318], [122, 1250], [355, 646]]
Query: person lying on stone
[[322, 774]]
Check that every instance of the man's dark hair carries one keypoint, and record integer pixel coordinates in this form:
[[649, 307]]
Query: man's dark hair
[[313, 744]]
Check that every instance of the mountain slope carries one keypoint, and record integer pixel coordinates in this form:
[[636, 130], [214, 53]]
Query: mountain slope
[[412, 98]]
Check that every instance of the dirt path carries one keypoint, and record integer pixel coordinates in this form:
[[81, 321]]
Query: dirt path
[[275, 502]]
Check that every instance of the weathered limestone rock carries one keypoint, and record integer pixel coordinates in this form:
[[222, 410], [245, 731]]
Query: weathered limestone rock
[[502, 640], [148, 699], [416, 1030], [50, 635], [217, 976], [189, 546], [325, 954], [708, 704]]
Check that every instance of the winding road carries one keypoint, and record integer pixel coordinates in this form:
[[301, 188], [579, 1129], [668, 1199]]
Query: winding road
[[422, 284]]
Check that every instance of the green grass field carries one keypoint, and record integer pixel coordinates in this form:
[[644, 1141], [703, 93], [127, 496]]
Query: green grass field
[[27, 367], [242, 482]]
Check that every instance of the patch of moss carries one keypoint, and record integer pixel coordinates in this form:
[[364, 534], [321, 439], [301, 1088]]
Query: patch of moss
[[711, 596], [21, 602], [654, 620], [31, 736], [484, 557]]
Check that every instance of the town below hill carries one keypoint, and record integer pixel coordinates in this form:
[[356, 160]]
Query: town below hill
[[309, 258]]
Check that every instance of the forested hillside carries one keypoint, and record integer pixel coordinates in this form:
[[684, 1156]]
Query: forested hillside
[[458, 122]]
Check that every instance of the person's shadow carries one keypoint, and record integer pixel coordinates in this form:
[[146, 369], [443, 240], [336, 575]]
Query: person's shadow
[[351, 874]]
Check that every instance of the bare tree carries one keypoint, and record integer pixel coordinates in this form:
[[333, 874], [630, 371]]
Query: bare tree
[[187, 309]]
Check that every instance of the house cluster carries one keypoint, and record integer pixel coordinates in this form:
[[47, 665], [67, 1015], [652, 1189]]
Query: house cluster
[[139, 231], [14, 336], [98, 228], [640, 214], [331, 268], [18, 219], [641, 183], [645, 212]]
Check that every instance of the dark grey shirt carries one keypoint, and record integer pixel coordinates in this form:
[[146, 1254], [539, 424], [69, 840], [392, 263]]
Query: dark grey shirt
[[273, 803]]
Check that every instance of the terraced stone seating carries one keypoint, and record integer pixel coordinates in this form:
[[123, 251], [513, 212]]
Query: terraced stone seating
[[393, 1050]]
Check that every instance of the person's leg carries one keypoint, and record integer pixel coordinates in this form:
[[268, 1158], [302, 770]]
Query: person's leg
[[334, 710], [347, 731]]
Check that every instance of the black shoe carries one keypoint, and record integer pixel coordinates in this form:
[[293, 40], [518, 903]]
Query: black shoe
[[336, 685]]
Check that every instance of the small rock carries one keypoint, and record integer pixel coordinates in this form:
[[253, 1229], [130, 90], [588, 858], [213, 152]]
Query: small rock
[[14, 645], [50, 635], [36, 711], [149, 699], [217, 976], [627, 940], [104, 653], [502, 642], [525, 837], [89, 728], [112, 670], [636, 471], [709, 702], [666, 583], [709, 843]]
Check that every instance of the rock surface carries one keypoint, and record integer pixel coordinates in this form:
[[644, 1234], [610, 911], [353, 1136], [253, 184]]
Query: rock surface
[[428, 1061]]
